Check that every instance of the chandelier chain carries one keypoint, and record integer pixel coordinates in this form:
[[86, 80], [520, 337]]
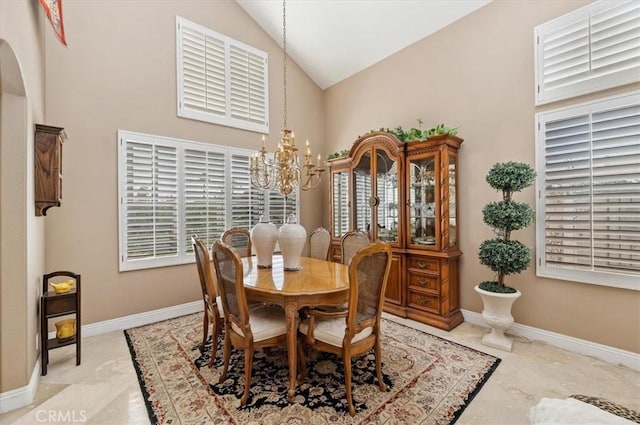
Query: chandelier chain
[[284, 170], [284, 60]]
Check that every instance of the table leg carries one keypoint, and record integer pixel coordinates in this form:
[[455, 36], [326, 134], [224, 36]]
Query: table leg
[[291, 314]]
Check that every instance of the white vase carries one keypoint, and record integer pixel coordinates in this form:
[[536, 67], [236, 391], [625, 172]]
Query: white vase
[[497, 314], [264, 236], [292, 238]]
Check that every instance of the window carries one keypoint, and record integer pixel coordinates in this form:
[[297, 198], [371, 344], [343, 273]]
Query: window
[[594, 48], [588, 186], [171, 189], [221, 80]]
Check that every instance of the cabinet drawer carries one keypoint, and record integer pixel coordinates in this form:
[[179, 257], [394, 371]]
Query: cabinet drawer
[[424, 281], [424, 264], [58, 305], [425, 302]]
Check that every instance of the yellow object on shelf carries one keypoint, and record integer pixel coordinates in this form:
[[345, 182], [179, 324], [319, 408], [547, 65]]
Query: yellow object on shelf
[[62, 287], [65, 328]]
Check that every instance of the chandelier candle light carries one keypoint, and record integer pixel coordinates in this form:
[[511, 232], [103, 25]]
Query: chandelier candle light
[[284, 172]]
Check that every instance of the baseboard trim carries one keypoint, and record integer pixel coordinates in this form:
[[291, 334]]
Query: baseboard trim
[[569, 343], [140, 319], [20, 397]]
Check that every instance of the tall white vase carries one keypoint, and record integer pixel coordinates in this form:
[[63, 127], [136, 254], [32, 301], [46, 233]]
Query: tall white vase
[[497, 314], [264, 236], [292, 238]]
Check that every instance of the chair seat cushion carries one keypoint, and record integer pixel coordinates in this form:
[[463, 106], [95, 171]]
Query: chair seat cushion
[[266, 322], [331, 331]]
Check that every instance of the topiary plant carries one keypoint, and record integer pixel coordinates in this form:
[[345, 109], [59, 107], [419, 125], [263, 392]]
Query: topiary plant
[[501, 254]]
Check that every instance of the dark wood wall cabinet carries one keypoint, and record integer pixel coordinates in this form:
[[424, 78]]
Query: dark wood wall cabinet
[[48, 167], [55, 305], [405, 194]]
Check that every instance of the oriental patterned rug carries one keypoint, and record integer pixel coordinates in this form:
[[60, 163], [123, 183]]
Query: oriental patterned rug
[[430, 380]]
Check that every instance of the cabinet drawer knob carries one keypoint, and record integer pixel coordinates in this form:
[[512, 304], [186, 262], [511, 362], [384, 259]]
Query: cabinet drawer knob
[[423, 282], [423, 300], [422, 265]]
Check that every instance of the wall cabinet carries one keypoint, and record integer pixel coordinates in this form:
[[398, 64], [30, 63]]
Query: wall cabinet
[[48, 167], [405, 194]]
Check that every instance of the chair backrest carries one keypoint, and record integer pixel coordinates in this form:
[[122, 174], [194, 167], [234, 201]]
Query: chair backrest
[[203, 264], [368, 275], [350, 243], [239, 239], [229, 272], [319, 242]]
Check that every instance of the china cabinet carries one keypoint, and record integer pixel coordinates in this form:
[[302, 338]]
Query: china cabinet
[[405, 194]]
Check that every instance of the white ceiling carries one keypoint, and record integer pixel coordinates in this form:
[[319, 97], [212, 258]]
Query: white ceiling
[[334, 39]]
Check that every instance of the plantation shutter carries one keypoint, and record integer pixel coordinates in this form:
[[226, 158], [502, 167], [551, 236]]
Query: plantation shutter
[[149, 199], [280, 208], [590, 190], [220, 80], [204, 195], [247, 202], [247, 85], [594, 48], [341, 203], [203, 72]]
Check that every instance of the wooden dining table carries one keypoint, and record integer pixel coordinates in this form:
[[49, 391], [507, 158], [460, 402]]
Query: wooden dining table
[[318, 282]]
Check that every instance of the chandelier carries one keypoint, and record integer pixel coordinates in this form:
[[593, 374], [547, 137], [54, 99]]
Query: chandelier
[[282, 170]]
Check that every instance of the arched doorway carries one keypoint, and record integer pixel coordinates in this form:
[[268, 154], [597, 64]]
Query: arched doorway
[[14, 350]]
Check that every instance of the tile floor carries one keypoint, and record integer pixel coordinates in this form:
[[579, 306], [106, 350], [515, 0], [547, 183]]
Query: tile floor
[[104, 388]]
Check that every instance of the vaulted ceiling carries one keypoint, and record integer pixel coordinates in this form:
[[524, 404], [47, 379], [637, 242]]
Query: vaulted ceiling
[[334, 39]]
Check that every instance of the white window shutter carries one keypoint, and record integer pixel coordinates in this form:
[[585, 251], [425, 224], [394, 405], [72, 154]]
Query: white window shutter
[[247, 202], [221, 80], [247, 85], [149, 200], [280, 208], [204, 195], [591, 49], [589, 192]]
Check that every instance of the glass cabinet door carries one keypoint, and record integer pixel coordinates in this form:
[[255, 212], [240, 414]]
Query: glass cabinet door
[[340, 203], [362, 201], [387, 198], [423, 214], [453, 229]]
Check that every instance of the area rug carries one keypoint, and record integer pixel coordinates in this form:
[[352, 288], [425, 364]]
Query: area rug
[[430, 380]]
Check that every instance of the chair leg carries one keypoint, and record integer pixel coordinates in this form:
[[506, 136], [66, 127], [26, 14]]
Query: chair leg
[[378, 353], [205, 329], [217, 327], [248, 364], [347, 384], [227, 355], [302, 361]]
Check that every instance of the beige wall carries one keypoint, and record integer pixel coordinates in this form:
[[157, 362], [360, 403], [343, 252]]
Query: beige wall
[[477, 74], [119, 72], [22, 234]]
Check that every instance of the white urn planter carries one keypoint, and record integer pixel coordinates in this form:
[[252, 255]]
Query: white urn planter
[[497, 314], [292, 238], [264, 236]]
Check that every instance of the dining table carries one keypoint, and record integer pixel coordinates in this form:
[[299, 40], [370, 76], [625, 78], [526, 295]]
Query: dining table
[[317, 282]]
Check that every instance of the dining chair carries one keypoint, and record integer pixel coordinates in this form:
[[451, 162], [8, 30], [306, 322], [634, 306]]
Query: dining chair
[[350, 243], [213, 312], [330, 332], [239, 239], [246, 329], [319, 242]]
